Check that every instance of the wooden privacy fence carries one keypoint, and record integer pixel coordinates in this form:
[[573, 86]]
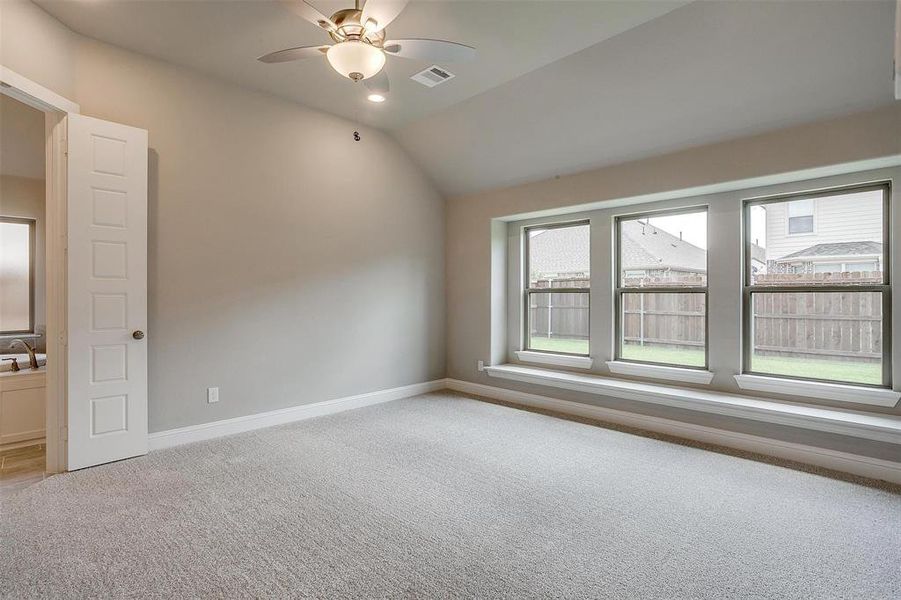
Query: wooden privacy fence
[[672, 320], [833, 325], [559, 315]]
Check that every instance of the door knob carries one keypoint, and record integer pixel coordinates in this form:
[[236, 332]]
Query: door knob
[[138, 335]]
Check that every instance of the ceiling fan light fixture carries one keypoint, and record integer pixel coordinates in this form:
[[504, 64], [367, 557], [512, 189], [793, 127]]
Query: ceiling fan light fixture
[[355, 59]]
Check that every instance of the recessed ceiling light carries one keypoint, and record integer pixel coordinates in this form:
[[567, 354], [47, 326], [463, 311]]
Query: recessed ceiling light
[[375, 98]]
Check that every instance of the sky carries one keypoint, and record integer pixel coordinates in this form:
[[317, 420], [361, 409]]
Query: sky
[[694, 226]]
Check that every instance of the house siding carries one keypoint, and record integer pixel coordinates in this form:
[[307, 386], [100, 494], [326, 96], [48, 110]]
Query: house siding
[[836, 219]]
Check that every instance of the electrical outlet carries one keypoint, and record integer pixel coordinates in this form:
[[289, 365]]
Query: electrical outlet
[[481, 365], [212, 395]]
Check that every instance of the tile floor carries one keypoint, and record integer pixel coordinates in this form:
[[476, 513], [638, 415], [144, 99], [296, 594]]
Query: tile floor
[[21, 467]]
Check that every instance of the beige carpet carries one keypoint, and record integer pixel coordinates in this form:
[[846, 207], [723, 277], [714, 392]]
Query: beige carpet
[[443, 496]]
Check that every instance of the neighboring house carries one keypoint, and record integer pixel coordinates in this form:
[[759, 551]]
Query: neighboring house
[[560, 253], [758, 259], [648, 251], [833, 258], [829, 234]]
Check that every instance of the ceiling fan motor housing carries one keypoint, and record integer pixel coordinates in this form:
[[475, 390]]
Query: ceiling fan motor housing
[[349, 27]]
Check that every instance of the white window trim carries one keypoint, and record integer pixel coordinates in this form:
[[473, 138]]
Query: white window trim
[[557, 360], [883, 428], [601, 214], [855, 394], [666, 372], [619, 291]]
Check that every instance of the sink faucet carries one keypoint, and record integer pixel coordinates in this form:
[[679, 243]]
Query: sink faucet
[[32, 359]]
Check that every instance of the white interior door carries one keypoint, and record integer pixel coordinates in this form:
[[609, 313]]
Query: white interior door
[[107, 291]]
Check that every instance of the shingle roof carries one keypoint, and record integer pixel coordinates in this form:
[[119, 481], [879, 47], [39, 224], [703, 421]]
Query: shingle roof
[[558, 251], [838, 249], [565, 250], [648, 247]]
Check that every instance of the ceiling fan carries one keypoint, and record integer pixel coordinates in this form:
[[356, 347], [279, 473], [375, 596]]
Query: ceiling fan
[[360, 48]]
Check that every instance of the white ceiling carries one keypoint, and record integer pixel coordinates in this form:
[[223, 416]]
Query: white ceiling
[[558, 87], [706, 72], [21, 139], [224, 38]]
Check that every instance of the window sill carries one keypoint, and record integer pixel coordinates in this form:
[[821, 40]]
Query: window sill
[[883, 428], [816, 389], [557, 360], [665, 372]]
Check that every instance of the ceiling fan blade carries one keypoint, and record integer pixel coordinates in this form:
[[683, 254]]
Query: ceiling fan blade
[[382, 12], [306, 11], [294, 54], [378, 84], [430, 50]]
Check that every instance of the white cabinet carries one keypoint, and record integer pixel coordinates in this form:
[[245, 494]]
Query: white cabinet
[[22, 407]]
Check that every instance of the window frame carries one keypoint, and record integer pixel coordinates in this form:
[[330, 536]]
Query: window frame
[[528, 290], [32, 223], [619, 290], [885, 288]]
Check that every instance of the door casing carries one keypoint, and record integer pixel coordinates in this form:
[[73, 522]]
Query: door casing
[[55, 109]]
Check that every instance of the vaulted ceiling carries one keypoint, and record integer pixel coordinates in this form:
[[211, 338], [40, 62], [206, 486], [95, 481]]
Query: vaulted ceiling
[[557, 87], [703, 73], [224, 38]]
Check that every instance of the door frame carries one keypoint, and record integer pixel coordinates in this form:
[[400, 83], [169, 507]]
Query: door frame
[[55, 109]]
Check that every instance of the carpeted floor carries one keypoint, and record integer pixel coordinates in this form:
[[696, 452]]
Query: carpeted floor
[[444, 496]]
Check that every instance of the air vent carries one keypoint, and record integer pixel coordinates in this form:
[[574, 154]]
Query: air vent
[[432, 76]]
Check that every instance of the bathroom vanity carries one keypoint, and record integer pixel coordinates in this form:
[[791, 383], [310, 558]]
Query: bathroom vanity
[[22, 407]]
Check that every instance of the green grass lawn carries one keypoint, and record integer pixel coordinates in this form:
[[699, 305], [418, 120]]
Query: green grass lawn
[[663, 354], [835, 370], [560, 345]]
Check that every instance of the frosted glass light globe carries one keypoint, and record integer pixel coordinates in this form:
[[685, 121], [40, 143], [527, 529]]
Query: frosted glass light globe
[[355, 59]]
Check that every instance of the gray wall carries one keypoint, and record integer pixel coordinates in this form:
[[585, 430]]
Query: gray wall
[[282, 283], [288, 264], [472, 255], [37, 46], [22, 139]]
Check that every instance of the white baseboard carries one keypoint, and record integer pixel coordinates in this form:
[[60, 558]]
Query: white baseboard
[[830, 459], [207, 431], [863, 466], [23, 443]]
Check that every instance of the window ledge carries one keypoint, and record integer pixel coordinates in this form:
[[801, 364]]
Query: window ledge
[[557, 360], [883, 428], [817, 389], [665, 372]]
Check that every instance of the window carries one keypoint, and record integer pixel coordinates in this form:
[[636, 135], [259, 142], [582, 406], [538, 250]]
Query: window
[[806, 316], [800, 216], [16, 275], [824, 268], [861, 266], [661, 292], [558, 288]]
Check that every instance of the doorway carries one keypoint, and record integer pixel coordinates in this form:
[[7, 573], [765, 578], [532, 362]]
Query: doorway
[[23, 314], [95, 284]]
